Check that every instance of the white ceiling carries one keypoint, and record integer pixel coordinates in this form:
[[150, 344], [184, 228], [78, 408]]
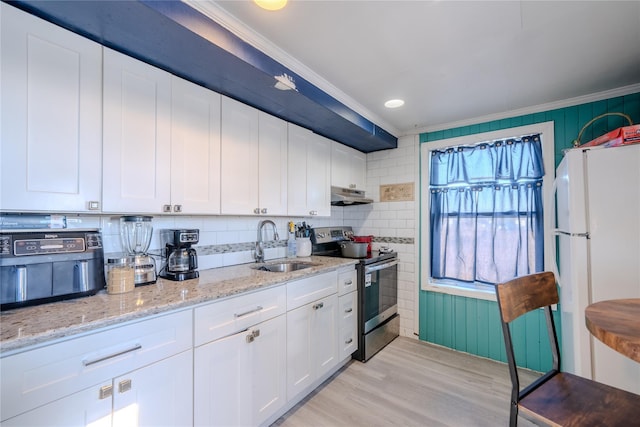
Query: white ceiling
[[451, 61]]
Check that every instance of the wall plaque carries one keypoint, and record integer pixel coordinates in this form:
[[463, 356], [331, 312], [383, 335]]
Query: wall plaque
[[397, 192]]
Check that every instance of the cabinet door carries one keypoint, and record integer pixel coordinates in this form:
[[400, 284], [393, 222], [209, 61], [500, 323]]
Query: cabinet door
[[359, 169], [319, 176], [195, 149], [340, 163], [325, 334], [239, 189], [84, 408], [309, 190], [348, 167], [158, 394], [312, 346], [50, 103], [268, 355], [240, 379], [299, 140], [300, 370], [272, 180], [136, 154]]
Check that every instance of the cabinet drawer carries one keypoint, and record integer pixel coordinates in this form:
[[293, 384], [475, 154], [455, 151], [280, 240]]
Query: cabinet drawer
[[347, 281], [304, 291], [235, 314], [44, 374]]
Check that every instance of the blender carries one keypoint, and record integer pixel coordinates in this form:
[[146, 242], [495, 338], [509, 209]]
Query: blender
[[181, 259], [135, 237]]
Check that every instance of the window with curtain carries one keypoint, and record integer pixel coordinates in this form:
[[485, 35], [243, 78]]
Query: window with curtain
[[486, 213]]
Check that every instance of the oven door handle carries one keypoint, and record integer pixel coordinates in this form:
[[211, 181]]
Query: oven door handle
[[376, 267]]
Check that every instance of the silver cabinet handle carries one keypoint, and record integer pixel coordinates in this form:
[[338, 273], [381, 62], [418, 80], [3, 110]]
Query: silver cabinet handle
[[348, 282], [110, 356], [93, 205], [105, 392], [253, 335], [318, 305], [263, 211], [349, 341], [258, 308], [124, 386], [348, 310], [256, 211], [177, 208], [166, 208]]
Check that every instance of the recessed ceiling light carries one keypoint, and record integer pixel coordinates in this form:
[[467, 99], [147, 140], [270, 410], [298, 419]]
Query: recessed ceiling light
[[394, 103], [271, 4]]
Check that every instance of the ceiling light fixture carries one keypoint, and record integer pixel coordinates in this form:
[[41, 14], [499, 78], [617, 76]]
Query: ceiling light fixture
[[394, 103], [271, 4]]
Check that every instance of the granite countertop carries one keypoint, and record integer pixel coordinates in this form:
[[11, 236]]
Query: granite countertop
[[29, 326]]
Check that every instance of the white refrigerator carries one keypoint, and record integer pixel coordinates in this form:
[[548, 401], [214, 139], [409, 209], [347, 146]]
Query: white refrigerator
[[598, 218]]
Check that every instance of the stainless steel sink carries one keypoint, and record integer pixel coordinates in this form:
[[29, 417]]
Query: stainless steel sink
[[284, 267]]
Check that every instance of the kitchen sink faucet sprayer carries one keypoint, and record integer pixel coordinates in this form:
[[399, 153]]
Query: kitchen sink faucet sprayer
[[259, 249]]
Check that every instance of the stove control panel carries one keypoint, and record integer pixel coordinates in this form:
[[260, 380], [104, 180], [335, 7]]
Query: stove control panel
[[331, 234]]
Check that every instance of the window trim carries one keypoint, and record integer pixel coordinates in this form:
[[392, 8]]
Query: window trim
[[545, 129]]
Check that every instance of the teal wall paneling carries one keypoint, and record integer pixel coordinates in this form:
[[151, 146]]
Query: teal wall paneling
[[472, 325]]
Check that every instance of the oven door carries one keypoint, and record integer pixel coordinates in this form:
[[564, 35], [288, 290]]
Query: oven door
[[379, 293]]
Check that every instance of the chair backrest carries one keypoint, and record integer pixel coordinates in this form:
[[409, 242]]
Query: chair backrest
[[524, 294], [520, 296]]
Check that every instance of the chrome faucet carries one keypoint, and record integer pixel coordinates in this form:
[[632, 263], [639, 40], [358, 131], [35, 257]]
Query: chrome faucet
[[259, 255]]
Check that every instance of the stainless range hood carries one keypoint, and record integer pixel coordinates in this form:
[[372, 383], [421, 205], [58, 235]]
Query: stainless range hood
[[347, 197]]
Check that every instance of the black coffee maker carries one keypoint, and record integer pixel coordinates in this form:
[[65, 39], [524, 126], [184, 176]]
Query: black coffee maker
[[181, 260]]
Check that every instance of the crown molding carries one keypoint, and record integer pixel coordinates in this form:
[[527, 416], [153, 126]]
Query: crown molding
[[598, 96]]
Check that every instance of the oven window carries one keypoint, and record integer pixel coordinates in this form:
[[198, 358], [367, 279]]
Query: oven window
[[380, 292]]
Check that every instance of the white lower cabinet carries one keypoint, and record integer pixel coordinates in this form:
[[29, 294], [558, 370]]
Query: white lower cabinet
[[240, 373], [136, 375], [312, 345], [239, 379], [156, 395], [312, 328]]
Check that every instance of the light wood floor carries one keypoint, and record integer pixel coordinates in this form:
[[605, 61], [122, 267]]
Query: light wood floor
[[411, 383]]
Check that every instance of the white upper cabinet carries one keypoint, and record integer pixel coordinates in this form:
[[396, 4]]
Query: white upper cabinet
[[137, 135], [161, 141], [195, 149], [309, 190], [348, 167], [254, 159], [51, 104]]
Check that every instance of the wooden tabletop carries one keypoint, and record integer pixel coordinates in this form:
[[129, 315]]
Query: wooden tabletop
[[617, 324]]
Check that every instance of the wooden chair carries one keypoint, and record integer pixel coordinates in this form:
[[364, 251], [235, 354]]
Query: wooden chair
[[557, 398]]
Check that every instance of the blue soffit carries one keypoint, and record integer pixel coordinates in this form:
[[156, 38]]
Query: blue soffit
[[179, 39]]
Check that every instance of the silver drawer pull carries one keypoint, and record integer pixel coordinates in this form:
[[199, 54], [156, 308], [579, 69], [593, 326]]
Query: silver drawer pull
[[348, 283], [348, 310], [318, 305], [120, 353], [349, 341], [258, 308]]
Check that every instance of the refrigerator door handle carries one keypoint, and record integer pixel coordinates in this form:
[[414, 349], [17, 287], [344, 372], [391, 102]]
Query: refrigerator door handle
[[566, 233]]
